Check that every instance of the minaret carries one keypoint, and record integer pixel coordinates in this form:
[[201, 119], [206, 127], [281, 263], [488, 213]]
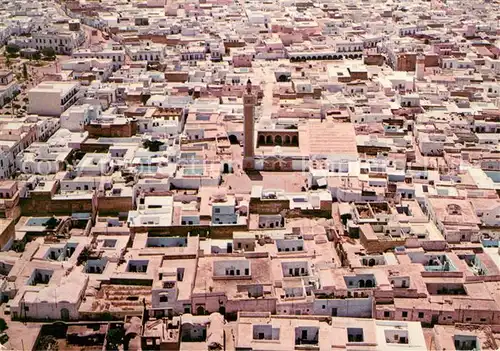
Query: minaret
[[420, 67], [249, 128]]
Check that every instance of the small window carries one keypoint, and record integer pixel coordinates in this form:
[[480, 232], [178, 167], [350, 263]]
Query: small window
[[420, 315], [387, 314], [404, 314]]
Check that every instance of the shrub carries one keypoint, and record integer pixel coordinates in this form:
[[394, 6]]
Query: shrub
[[3, 325]]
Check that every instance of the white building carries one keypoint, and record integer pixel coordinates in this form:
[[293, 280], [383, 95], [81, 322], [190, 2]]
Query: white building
[[41, 158], [150, 52], [86, 69], [224, 210], [75, 117], [152, 211], [52, 98], [50, 294], [114, 53], [94, 164], [8, 87], [63, 42]]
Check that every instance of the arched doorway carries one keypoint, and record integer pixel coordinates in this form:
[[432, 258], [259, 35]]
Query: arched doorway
[[64, 314], [361, 283], [226, 168], [278, 140], [371, 263], [269, 139], [295, 140], [200, 310], [262, 139], [288, 140], [233, 139], [369, 283]]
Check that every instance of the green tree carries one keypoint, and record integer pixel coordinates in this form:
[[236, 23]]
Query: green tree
[[49, 52], [25, 71], [3, 325], [18, 246], [152, 145], [52, 223], [48, 342], [4, 338], [145, 98], [12, 49], [84, 255], [114, 338]]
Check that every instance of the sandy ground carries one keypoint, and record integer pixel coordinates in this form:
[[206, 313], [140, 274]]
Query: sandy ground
[[288, 181], [21, 336]]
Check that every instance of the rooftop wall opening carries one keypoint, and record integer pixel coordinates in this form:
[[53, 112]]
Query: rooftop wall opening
[[396, 336], [140, 266], [40, 276]]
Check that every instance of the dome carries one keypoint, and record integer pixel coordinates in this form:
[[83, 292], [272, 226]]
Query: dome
[[219, 195]]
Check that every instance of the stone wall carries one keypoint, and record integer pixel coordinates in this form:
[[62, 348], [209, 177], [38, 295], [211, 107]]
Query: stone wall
[[268, 206], [106, 130], [45, 206], [113, 205]]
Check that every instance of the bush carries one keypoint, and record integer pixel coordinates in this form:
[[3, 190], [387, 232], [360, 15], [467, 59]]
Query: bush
[[18, 246], [114, 338], [12, 49], [48, 342], [25, 71], [4, 338], [49, 52], [152, 145], [52, 223], [84, 256]]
